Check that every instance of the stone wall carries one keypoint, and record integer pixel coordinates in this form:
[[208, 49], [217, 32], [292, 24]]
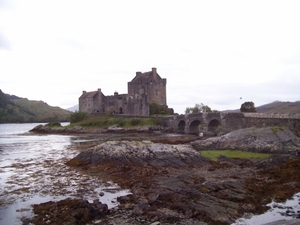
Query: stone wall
[[236, 121]]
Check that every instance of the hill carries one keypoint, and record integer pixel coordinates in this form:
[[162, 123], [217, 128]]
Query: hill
[[276, 107], [73, 108], [14, 109], [280, 107]]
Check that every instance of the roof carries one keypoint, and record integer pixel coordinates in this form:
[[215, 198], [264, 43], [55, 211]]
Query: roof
[[146, 75], [90, 94]]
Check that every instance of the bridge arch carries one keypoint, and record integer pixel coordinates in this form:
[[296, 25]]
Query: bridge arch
[[214, 127], [181, 127], [194, 127]]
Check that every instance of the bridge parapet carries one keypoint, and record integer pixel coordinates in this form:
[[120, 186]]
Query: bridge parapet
[[272, 115]]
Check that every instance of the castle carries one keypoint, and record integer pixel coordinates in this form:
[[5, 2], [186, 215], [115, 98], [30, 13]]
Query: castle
[[144, 89]]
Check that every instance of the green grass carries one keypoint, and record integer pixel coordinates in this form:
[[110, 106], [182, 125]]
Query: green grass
[[107, 121], [275, 129], [214, 154], [53, 124]]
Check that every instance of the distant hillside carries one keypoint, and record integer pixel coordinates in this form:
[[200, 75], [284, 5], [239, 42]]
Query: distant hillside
[[14, 109], [280, 107], [276, 107], [73, 108]]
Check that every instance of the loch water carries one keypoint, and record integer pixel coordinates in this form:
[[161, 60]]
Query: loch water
[[33, 171]]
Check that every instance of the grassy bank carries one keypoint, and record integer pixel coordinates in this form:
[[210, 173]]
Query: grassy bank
[[105, 121], [215, 154]]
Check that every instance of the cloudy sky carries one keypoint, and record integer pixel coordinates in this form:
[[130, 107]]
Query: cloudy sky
[[211, 52]]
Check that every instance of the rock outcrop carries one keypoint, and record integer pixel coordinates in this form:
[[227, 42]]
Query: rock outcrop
[[143, 152], [269, 139]]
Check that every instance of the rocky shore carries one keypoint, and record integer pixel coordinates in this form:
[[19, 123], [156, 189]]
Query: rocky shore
[[172, 183]]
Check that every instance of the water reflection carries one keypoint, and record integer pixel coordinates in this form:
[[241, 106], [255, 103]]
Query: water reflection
[[278, 212]]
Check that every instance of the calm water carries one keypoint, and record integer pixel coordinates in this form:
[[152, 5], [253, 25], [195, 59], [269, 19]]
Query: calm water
[[33, 170]]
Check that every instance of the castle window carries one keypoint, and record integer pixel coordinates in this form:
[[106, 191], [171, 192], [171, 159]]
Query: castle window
[[156, 92]]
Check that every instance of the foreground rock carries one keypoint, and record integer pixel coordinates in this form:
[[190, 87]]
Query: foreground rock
[[174, 184], [68, 211], [269, 139]]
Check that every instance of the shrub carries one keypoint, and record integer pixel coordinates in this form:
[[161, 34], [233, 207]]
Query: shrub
[[78, 116]]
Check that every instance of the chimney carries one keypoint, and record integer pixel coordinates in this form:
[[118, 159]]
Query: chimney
[[83, 92], [138, 73], [154, 73]]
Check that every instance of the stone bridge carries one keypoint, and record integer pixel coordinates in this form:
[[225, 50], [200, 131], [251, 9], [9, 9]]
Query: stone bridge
[[214, 124]]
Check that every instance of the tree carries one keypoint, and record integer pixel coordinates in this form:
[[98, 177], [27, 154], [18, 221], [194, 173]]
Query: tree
[[156, 109], [248, 107], [198, 108]]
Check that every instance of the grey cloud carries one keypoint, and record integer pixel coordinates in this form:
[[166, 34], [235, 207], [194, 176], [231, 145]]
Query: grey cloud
[[292, 60], [4, 43], [4, 4], [72, 43]]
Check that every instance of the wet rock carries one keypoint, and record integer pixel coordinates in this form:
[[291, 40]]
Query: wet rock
[[68, 211]]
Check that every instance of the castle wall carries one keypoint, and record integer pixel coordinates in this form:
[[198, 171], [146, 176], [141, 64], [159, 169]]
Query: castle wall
[[116, 103], [92, 102], [157, 92], [100, 102], [85, 105], [137, 107], [150, 86]]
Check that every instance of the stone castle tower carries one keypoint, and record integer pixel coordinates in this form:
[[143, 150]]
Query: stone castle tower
[[144, 89]]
